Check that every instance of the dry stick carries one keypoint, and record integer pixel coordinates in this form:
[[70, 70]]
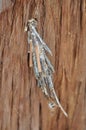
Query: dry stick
[[38, 59], [59, 103], [30, 62]]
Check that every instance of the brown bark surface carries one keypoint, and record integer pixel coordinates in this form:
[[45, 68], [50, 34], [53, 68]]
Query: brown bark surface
[[62, 24]]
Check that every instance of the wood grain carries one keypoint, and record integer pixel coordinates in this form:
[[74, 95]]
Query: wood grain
[[62, 24]]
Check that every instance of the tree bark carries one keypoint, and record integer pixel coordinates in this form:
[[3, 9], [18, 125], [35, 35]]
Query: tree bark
[[62, 24]]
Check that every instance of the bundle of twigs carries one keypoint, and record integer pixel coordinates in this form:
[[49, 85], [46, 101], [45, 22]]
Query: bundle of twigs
[[42, 66]]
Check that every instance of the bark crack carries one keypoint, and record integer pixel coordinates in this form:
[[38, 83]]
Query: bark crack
[[40, 117], [81, 13]]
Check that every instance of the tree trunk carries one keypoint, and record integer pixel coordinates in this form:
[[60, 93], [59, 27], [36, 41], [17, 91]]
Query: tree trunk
[[62, 24]]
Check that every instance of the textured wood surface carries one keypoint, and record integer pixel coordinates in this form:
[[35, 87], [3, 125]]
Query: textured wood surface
[[62, 24]]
